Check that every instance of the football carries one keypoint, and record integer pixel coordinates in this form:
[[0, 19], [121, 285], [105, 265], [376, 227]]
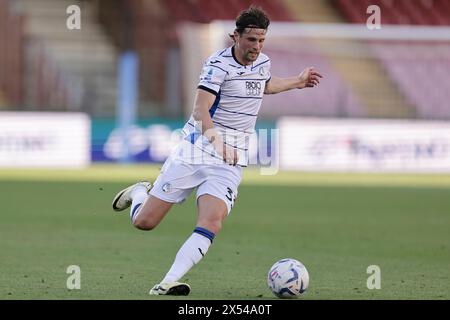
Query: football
[[288, 278]]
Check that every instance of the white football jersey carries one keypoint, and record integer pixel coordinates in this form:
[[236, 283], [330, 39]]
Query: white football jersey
[[239, 91]]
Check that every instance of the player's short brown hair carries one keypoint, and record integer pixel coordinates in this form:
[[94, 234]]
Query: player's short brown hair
[[253, 17]]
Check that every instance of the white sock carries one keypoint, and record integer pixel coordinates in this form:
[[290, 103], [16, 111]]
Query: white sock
[[139, 195], [190, 254]]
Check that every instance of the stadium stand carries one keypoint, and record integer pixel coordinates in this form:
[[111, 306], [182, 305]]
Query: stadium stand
[[411, 66], [154, 37], [420, 12], [366, 89], [3, 103], [144, 26], [407, 63], [318, 11], [11, 51], [335, 99], [358, 93], [68, 69], [44, 65], [205, 11], [311, 103]]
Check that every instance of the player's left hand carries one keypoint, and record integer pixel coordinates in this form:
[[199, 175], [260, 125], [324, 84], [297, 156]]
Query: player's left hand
[[309, 78]]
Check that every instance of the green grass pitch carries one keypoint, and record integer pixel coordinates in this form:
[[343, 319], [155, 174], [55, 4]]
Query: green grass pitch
[[336, 224]]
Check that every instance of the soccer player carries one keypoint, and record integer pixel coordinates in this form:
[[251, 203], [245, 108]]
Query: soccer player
[[214, 150]]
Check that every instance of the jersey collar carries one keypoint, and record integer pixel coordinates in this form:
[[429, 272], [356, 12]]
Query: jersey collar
[[235, 59]]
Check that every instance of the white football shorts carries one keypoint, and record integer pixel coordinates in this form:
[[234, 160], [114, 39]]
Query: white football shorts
[[178, 178]]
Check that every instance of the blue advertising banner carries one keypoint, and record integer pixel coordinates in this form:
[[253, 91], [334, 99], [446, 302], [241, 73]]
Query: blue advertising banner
[[152, 140]]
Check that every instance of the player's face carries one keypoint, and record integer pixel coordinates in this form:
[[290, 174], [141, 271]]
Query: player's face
[[249, 45]]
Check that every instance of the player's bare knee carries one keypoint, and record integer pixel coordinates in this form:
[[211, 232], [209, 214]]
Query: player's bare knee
[[144, 224]]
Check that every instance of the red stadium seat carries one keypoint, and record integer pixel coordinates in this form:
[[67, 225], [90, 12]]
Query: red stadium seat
[[208, 10], [420, 12]]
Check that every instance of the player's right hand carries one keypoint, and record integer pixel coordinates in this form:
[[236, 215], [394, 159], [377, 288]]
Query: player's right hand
[[228, 153]]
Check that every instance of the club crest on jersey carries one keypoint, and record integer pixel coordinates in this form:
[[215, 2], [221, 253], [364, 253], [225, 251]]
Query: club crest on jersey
[[166, 187], [262, 71]]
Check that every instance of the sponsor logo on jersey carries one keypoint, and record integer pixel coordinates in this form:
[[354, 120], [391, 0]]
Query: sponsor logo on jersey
[[253, 88], [209, 75]]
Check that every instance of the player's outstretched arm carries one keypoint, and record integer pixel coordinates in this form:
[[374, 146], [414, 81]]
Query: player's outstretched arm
[[308, 78]]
